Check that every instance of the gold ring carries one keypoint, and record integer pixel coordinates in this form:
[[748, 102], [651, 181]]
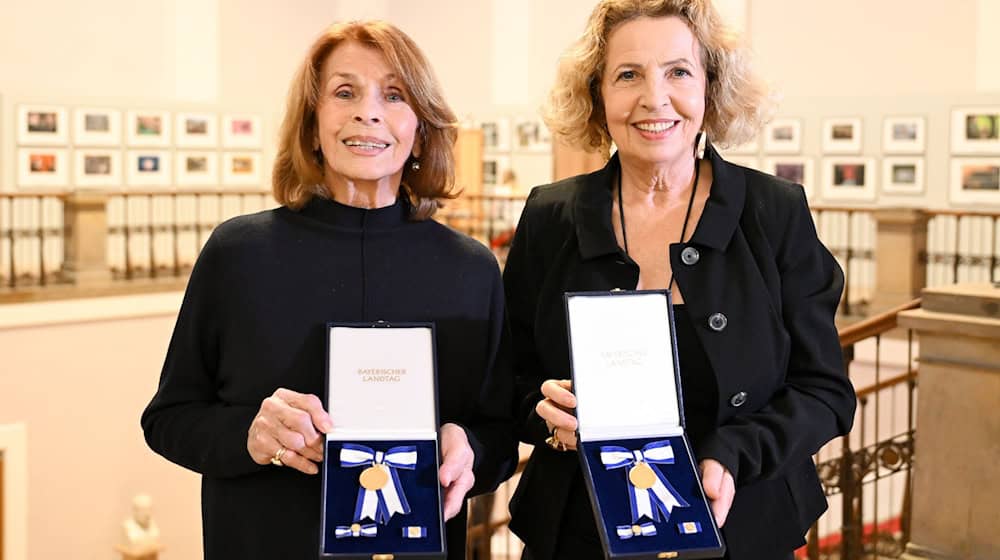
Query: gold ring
[[276, 460]]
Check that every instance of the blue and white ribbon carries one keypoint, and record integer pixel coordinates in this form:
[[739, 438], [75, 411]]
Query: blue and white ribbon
[[689, 528], [414, 532], [356, 530], [662, 496], [626, 532], [380, 505]]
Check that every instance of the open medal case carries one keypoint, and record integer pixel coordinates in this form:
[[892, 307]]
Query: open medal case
[[381, 495], [637, 462]]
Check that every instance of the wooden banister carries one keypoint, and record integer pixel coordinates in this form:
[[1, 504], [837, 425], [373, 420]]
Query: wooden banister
[[872, 326]]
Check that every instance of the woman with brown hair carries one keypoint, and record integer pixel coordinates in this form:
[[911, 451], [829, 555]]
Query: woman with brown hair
[[754, 290], [365, 159]]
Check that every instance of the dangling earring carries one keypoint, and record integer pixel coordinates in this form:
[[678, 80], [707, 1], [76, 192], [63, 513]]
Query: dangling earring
[[415, 165], [699, 150]]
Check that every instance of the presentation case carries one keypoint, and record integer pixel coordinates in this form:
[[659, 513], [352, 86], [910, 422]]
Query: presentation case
[[381, 496], [640, 472]]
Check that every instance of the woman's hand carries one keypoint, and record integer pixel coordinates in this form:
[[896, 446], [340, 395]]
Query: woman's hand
[[455, 473], [554, 409], [293, 422], [720, 488]]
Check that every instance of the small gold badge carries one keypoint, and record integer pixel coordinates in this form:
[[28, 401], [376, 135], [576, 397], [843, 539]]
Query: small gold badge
[[374, 477], [413, 532], [641, 476], [356, 528], [636, 530]]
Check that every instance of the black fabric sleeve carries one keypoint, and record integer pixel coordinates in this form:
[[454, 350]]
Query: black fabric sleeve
[[185, 421], [522, 281], [817, 401], [490, 429]]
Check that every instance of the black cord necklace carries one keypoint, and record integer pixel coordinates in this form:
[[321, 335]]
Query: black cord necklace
[[687, 214]]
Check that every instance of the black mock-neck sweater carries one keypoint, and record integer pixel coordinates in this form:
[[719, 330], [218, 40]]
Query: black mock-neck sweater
[[253, 320]]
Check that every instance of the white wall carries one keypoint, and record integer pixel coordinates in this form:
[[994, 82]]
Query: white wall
[[79, 387]]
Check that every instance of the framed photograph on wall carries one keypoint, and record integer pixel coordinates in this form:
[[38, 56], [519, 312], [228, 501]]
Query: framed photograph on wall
[[849, 178], [196, 169], [531, 135], [494, 169], [241, 131], [147, 128], [42, 125], [197, 130], [842, 136], [496, 135], [783, 136], [147, 168], [795, 169], [904, 135], [42, 167], [97, 168], [241, 169], [975, 130], [975, 181], [97, 127], [903, 175]]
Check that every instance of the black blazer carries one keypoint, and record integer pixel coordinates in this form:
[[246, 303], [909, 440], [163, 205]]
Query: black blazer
[[783, 391]]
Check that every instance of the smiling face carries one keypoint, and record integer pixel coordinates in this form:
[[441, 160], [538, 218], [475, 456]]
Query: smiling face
[[365, 126], [653, 89]]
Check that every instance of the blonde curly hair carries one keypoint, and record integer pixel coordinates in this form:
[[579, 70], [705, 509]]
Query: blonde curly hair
[[737, 102]]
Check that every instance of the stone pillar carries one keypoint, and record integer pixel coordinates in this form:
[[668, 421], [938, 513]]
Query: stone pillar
[[901, 263], [86, 239], [568, 161], [957, 458]]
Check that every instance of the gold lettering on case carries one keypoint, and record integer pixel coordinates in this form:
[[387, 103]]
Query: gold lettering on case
[[624, 358], [381, 375]]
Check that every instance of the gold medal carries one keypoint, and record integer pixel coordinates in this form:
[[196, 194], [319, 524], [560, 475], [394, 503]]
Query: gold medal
[[641, 476], [374, 477]]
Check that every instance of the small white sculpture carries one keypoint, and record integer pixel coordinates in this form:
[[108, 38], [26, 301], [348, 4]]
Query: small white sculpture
[[142, 536]]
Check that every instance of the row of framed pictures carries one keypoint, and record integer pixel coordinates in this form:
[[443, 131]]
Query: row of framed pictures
[[49, 125], [50, 167], [529, 135], [974, 131], [973, 180]]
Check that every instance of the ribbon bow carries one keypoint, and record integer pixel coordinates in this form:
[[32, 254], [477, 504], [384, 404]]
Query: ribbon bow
[[626, 532], [356, 530], [659, 491], [380, 504]]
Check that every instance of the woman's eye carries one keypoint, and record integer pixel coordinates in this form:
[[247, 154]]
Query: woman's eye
[[628, 75], [680, 72], [394, 96], [343, 93]]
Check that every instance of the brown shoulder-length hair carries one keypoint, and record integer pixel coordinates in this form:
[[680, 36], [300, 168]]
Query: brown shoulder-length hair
[[298, 170], [737, 102]]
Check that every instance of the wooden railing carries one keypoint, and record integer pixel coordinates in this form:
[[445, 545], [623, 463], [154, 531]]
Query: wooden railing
[[157, 234], [867, 474], [149, 234]]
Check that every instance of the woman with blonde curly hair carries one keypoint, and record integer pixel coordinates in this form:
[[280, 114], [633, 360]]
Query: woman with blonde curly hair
[[754, 290], [365, 157]]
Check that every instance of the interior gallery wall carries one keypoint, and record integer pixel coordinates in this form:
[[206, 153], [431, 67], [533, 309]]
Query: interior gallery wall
[[79, 388]]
